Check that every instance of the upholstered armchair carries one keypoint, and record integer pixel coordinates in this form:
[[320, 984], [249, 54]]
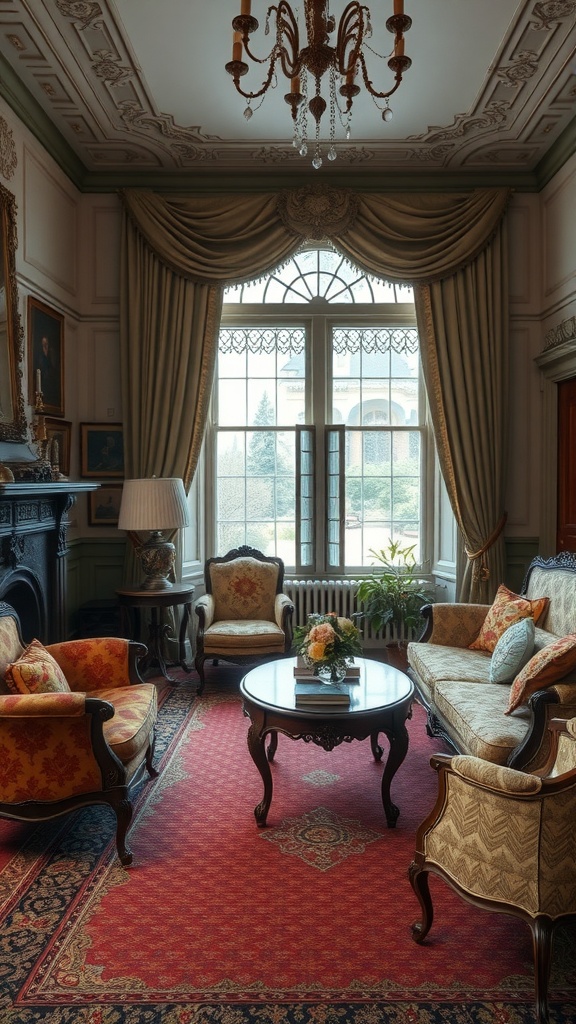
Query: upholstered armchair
[[243, 617], [506, 841], [77, 726]]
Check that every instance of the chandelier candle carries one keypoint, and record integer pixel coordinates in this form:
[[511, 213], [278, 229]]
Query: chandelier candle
[[306, 67]]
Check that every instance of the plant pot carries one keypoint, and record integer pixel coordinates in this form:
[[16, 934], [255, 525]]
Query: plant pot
[[397, 654]]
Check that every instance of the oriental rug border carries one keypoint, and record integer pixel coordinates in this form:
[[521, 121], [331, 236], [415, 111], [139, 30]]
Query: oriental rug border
[[64, 868]]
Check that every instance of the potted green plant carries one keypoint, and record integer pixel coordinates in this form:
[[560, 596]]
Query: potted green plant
[[394, 597]]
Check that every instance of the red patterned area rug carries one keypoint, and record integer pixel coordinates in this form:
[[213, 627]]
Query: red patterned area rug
[[218, 922]]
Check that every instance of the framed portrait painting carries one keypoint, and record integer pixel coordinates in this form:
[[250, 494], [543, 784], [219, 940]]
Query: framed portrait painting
[[59, 433], [104, 505], [101, 450], [46, 356]]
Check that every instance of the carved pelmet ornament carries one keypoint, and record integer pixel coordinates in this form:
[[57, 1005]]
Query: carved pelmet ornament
[[317, 211]]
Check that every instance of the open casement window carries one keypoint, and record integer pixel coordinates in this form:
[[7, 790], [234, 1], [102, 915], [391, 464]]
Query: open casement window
[[305, 493], [335, 498], [318, 420]]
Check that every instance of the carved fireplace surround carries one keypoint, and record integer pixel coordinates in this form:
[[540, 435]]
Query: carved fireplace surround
[[33, 548]]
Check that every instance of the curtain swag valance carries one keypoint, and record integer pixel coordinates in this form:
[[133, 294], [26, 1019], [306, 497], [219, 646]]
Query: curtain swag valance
[[226, 239], [179, 253]]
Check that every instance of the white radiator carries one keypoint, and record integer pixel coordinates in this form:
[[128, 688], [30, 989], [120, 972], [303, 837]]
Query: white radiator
[[322, 596]]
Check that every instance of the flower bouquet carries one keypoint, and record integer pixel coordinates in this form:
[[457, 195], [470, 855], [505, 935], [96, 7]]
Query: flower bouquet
[[327, 644]]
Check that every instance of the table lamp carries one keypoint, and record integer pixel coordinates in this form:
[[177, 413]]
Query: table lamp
[[154, 504]]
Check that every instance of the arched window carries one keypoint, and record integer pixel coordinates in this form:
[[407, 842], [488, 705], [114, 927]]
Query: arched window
[[317, 435]]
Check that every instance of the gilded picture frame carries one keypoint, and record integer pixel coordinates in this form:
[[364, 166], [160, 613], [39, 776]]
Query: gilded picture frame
[[101, 450], [46, 356], [60, 431], [104, 505]]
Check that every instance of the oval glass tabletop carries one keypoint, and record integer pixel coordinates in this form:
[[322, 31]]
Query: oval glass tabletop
[[379, 685]]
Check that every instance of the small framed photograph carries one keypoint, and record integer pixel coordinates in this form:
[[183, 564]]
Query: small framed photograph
[[46, 356], [59, 433], [101, 450], [104, 505]]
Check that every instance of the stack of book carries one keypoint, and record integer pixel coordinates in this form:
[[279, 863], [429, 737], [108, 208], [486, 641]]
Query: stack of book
[[315, 694], [301, 671]]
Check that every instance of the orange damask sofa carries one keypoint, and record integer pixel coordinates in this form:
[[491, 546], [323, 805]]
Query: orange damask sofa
[[77, 726]]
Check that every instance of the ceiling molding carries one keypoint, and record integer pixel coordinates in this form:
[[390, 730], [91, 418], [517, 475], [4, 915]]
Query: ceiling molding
[[72, 75], [33, 117]]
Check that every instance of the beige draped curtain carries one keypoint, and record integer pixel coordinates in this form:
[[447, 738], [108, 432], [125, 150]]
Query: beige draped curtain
[[180, 252]]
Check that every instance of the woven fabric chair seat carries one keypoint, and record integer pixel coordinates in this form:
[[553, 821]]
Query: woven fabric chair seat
[[251, 634]]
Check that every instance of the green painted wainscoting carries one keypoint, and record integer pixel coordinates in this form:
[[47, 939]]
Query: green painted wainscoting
[[519, 553], [94, 569]]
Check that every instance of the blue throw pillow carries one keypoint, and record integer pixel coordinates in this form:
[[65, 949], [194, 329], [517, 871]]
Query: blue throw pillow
[[513, 650]]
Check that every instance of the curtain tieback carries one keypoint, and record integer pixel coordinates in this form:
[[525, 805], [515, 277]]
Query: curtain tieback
[[482, 572]]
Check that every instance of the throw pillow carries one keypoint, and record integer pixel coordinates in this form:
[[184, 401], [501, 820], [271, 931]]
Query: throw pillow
[[547, 666], [36, 671], [512, 651], [506, 609]]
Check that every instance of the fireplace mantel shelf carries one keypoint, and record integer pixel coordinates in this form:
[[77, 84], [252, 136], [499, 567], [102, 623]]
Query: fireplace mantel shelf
[[22, 490]]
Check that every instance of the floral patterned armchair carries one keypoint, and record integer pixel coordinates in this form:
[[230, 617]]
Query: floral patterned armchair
[[505, 840], [243, 617], [77, 726]]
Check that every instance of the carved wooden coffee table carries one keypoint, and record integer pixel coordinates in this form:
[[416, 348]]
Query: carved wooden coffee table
[[380, 702]]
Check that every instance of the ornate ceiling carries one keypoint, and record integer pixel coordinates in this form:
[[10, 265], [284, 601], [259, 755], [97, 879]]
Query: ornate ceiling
[[135, 92]]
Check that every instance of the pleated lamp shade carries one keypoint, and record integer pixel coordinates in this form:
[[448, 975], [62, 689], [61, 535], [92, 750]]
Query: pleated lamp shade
[[155, 504]]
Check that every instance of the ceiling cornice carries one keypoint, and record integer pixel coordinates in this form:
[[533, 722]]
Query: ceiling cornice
[[557, 156], [31, 114], [37, 121]]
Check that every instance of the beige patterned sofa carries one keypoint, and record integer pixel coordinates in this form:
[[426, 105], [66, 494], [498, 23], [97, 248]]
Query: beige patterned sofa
[[453, 682]]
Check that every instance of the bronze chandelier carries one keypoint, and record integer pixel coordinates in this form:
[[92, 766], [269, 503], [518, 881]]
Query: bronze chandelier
[[344, 63]]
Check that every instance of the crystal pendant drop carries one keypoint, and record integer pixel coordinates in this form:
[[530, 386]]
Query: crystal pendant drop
[[347, 131], [303, 149], [387, 114], [317, 162], [248, 113], [331, 153]]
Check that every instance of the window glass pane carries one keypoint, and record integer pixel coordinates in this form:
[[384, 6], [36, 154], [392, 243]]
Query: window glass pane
[[231, 452], [261, 364], [260, 497], [261, 402], [268, 491], [232, 409], [231, 499], [230, 535]]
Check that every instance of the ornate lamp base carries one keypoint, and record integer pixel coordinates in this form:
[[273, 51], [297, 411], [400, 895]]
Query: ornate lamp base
[[157, 557]]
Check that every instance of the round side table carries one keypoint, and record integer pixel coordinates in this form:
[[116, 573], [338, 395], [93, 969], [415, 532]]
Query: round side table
[[132, 599]]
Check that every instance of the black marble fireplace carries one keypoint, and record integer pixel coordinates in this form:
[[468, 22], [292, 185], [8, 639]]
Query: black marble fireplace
[[33, 547]]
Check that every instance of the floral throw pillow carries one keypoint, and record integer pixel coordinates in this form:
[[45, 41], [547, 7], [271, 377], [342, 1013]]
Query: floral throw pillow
[[36, 671], [513, 650], [546, 667], [506, 609]]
